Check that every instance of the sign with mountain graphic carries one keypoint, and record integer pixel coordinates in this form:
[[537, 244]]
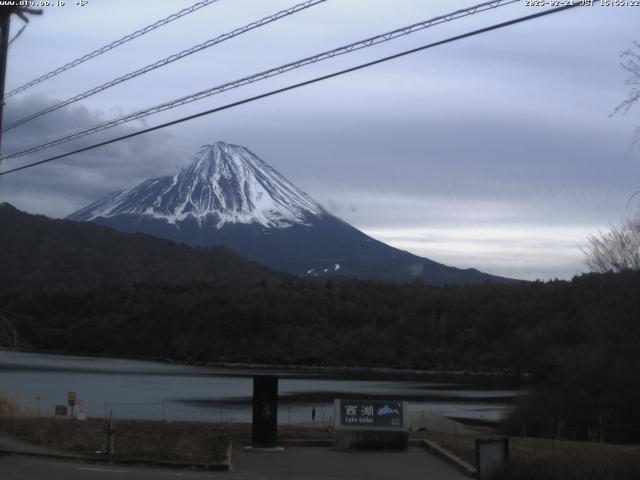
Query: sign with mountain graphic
[[372, 413]]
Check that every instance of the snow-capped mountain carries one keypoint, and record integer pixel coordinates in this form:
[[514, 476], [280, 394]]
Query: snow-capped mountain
[[223, 184], [228, 196]]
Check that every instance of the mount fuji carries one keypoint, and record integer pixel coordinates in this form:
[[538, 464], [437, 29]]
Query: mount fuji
[[228, 196]]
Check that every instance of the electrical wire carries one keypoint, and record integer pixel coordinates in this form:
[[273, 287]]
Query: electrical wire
[[368, 42], [112, 45], [170, 59], [298, 85]]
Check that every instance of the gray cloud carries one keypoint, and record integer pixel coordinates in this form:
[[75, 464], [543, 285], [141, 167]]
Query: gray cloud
[[59, 188]]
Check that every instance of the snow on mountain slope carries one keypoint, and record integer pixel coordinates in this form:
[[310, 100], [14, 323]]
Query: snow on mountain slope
[[224, 183]]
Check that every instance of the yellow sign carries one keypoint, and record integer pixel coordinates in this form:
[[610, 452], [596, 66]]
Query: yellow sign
[[71, 397]]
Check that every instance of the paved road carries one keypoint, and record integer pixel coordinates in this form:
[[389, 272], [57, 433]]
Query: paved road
[[295, 463], [25, 468], [323, 463]]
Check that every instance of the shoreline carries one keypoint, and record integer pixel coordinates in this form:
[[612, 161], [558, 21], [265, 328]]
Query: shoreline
[[322, 369]]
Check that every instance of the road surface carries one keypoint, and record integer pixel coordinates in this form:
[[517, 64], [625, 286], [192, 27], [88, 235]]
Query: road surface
[[294, 463]]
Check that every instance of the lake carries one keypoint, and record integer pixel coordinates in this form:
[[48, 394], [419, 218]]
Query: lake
[[137, 389]]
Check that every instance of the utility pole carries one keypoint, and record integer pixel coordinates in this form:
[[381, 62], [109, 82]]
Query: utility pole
[[4, 48], [5, 24]]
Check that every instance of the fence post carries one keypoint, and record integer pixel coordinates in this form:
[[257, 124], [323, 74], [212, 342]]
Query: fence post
[[455, 429]]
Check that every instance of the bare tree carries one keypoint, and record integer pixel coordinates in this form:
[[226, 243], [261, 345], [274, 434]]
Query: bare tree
[[615, 250], [619, 248], [631, 63]]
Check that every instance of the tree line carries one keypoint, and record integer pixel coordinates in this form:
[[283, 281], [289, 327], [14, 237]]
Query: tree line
[[577, 340]]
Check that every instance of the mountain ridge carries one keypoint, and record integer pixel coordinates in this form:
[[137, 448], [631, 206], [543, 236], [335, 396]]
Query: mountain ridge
[[228, 196]]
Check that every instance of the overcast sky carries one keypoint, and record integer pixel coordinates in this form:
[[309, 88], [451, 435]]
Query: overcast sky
[[497, 152]]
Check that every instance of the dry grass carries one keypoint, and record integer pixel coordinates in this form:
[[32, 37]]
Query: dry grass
[[140, 440], [575, 464], [146, 440], [536, 458], [546, 459]]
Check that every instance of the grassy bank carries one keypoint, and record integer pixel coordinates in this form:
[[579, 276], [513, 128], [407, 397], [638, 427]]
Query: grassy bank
[[543, 459], [140, 440], [145, 440], [548, 459]]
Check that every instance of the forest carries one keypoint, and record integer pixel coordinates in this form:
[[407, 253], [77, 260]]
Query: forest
[[574, 342]]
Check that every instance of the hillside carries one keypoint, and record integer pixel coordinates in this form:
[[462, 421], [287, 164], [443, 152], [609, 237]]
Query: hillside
[[43, 253]]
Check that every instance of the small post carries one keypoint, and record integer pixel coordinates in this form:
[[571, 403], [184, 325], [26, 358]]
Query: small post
[[289, 413], [105, 410], [110, 433], [455, 430], [600, 429]]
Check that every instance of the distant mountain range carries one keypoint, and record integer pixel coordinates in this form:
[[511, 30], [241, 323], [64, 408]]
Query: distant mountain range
[[228, 196], [42, 253]]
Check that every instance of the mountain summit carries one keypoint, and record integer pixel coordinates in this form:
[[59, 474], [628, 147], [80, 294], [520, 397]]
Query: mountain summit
[[228, 196], [223, 184]]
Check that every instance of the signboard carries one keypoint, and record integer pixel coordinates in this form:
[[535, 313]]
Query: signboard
[[492, 454], [61, 410], [71, 397], [81, 405], [371, 425], [371, 414]]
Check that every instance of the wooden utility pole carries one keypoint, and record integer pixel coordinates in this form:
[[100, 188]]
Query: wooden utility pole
[[4, 48], [5, 24]]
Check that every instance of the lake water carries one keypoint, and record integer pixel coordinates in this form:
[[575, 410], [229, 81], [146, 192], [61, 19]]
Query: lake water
[[135, 389]]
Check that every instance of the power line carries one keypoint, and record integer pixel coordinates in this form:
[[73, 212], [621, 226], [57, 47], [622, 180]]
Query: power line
[[170, 59], [298, 85], [368, 42], [112, 45]]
